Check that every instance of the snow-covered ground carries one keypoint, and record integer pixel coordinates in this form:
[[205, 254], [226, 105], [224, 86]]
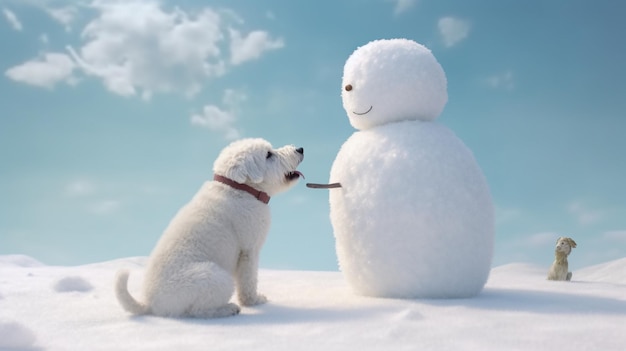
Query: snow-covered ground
[[73, 308]]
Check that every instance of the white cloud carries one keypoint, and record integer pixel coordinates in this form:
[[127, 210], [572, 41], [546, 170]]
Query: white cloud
[[233, 98], [216, 119], [453, 30], [138, 47], [252, 46], [80, 188], [501, 81], [144, 47], [64, 15], [221, 120], [104, 207], [402, 6], [89, 196], [45, 71], [583, 214], [12, 19]]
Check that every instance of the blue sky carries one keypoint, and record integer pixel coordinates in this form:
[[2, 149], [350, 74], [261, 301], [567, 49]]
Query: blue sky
[[113, 112]]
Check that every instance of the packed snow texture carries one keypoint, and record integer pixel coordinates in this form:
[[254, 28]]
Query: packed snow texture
[[414, 215], [21, 261], [517, 310], [14, 336], [398, 79], [69, 284]]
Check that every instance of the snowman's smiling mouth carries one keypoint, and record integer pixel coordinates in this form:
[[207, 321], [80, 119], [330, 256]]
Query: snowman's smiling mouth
[[363, 113]]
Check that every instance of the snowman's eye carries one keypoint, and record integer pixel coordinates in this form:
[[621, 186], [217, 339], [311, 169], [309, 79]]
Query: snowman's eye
[[348, 87]]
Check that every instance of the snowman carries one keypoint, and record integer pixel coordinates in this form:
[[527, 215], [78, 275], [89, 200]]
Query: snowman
[[410, 208]]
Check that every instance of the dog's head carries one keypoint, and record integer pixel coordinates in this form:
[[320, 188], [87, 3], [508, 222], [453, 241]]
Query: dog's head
[[256, 163], [564, 245]]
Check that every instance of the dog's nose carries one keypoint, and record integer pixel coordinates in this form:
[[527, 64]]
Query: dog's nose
[[300, 150]]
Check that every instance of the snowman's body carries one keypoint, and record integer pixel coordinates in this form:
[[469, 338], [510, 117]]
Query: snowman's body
[[414, 216], [411, 212]]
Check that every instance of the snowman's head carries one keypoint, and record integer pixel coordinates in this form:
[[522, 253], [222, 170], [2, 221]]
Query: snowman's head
[[392, 80]]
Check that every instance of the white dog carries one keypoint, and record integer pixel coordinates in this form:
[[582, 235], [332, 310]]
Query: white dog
[[212, 245], [559, 268]]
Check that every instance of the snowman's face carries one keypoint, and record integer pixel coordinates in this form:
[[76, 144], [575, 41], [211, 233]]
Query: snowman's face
[[387, 81]]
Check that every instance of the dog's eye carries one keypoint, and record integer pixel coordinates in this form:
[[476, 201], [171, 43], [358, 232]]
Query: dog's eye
[[269, 155]]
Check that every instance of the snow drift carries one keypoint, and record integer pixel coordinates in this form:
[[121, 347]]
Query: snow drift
[[518, 310]]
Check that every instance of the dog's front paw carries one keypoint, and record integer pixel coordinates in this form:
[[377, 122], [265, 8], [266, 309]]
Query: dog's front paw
[[229, 310], [253, 300]]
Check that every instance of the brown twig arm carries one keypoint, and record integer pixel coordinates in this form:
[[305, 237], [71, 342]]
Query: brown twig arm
[[323, 186]]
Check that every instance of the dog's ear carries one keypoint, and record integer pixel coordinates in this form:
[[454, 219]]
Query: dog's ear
[[571, 242], [244, 168], [237, 174], [255, 167]]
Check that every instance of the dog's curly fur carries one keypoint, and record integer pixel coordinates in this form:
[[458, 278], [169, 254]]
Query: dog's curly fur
[[559, 268], [212, 245]]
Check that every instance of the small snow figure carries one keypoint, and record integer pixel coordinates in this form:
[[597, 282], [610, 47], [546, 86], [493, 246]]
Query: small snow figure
[[560, 267], [411, 210]]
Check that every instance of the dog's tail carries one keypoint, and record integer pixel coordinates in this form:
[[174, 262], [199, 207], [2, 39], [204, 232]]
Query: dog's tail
[[123, 296]]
